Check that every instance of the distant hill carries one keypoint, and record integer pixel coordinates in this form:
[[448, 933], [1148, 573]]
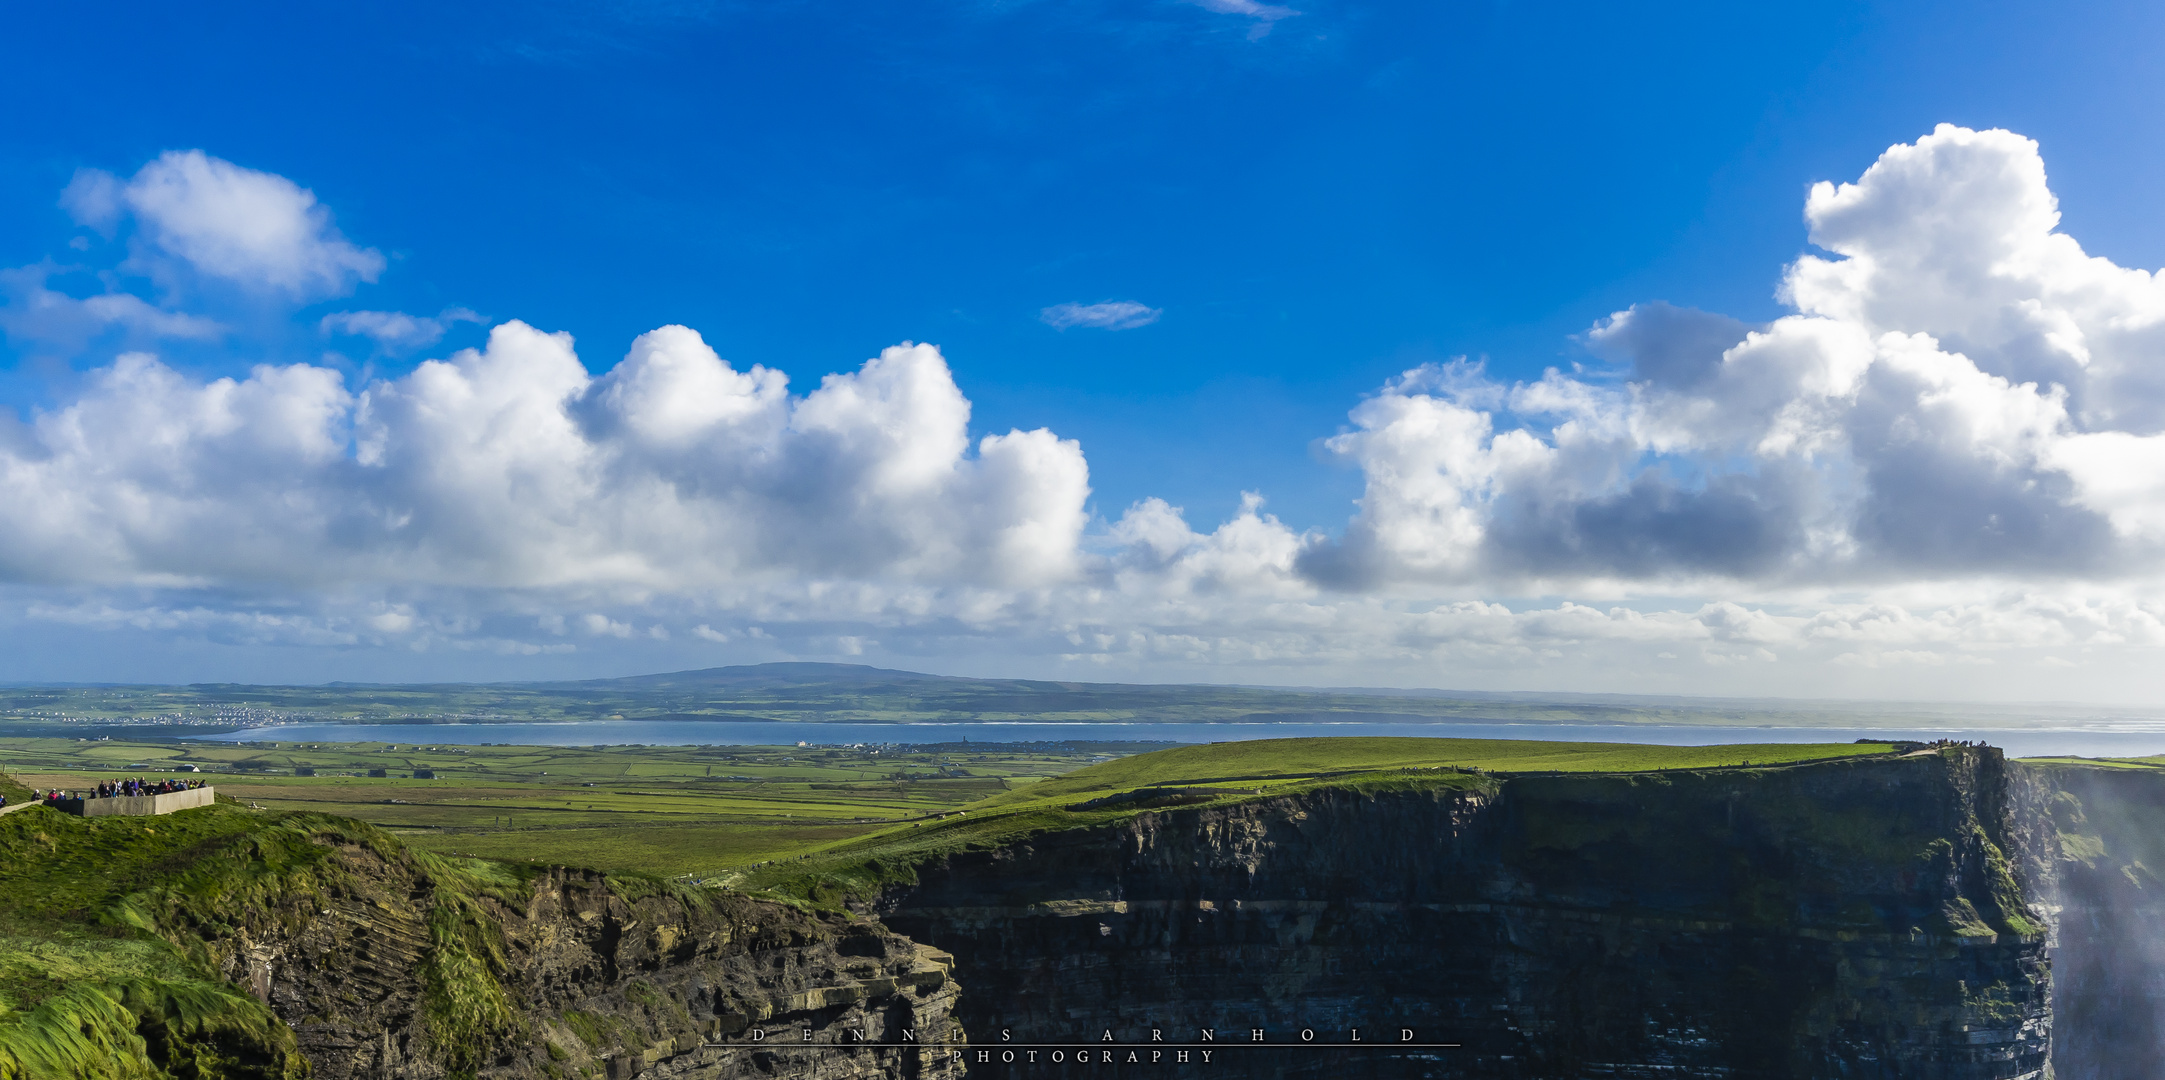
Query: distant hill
[[813, 692], [772, 676]]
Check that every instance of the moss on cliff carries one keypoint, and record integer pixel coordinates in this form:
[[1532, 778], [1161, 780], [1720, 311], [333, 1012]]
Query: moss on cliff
[[469, 1013]]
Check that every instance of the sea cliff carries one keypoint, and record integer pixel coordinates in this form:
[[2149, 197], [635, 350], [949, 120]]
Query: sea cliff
[[218, 943], [1931, 912], [1853, 918]]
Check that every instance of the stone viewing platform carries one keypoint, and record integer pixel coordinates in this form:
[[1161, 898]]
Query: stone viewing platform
[[137, 805]]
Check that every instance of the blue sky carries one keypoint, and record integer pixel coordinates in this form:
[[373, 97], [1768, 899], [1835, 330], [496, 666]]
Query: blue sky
[[1365, 188], [1309, 202]]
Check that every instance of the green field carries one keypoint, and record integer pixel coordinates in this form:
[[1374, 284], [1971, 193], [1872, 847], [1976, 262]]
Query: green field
[[719, 811], [660, 810]]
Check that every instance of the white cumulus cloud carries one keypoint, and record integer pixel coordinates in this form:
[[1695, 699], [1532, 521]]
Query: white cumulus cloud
[[512, 467], [255, 229], [1962, 391]]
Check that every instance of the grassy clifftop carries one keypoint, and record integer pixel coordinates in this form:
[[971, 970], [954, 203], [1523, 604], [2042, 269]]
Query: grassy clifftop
[[1282, 761], [1226, 773], [1860, 839]]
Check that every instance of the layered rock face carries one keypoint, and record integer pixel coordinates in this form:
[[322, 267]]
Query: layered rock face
[[1844, 919], [383, 972]]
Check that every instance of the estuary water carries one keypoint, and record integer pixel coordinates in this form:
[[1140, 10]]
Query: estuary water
[[2125, 739]]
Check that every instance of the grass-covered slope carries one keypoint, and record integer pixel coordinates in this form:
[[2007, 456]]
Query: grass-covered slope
[[122, 941], [1232, 772], [88, 987]]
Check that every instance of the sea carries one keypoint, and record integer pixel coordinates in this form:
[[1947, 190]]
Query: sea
[[2134, 738]]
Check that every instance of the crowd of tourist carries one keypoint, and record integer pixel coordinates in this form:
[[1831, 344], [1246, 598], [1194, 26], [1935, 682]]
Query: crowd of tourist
[[118, 789]]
